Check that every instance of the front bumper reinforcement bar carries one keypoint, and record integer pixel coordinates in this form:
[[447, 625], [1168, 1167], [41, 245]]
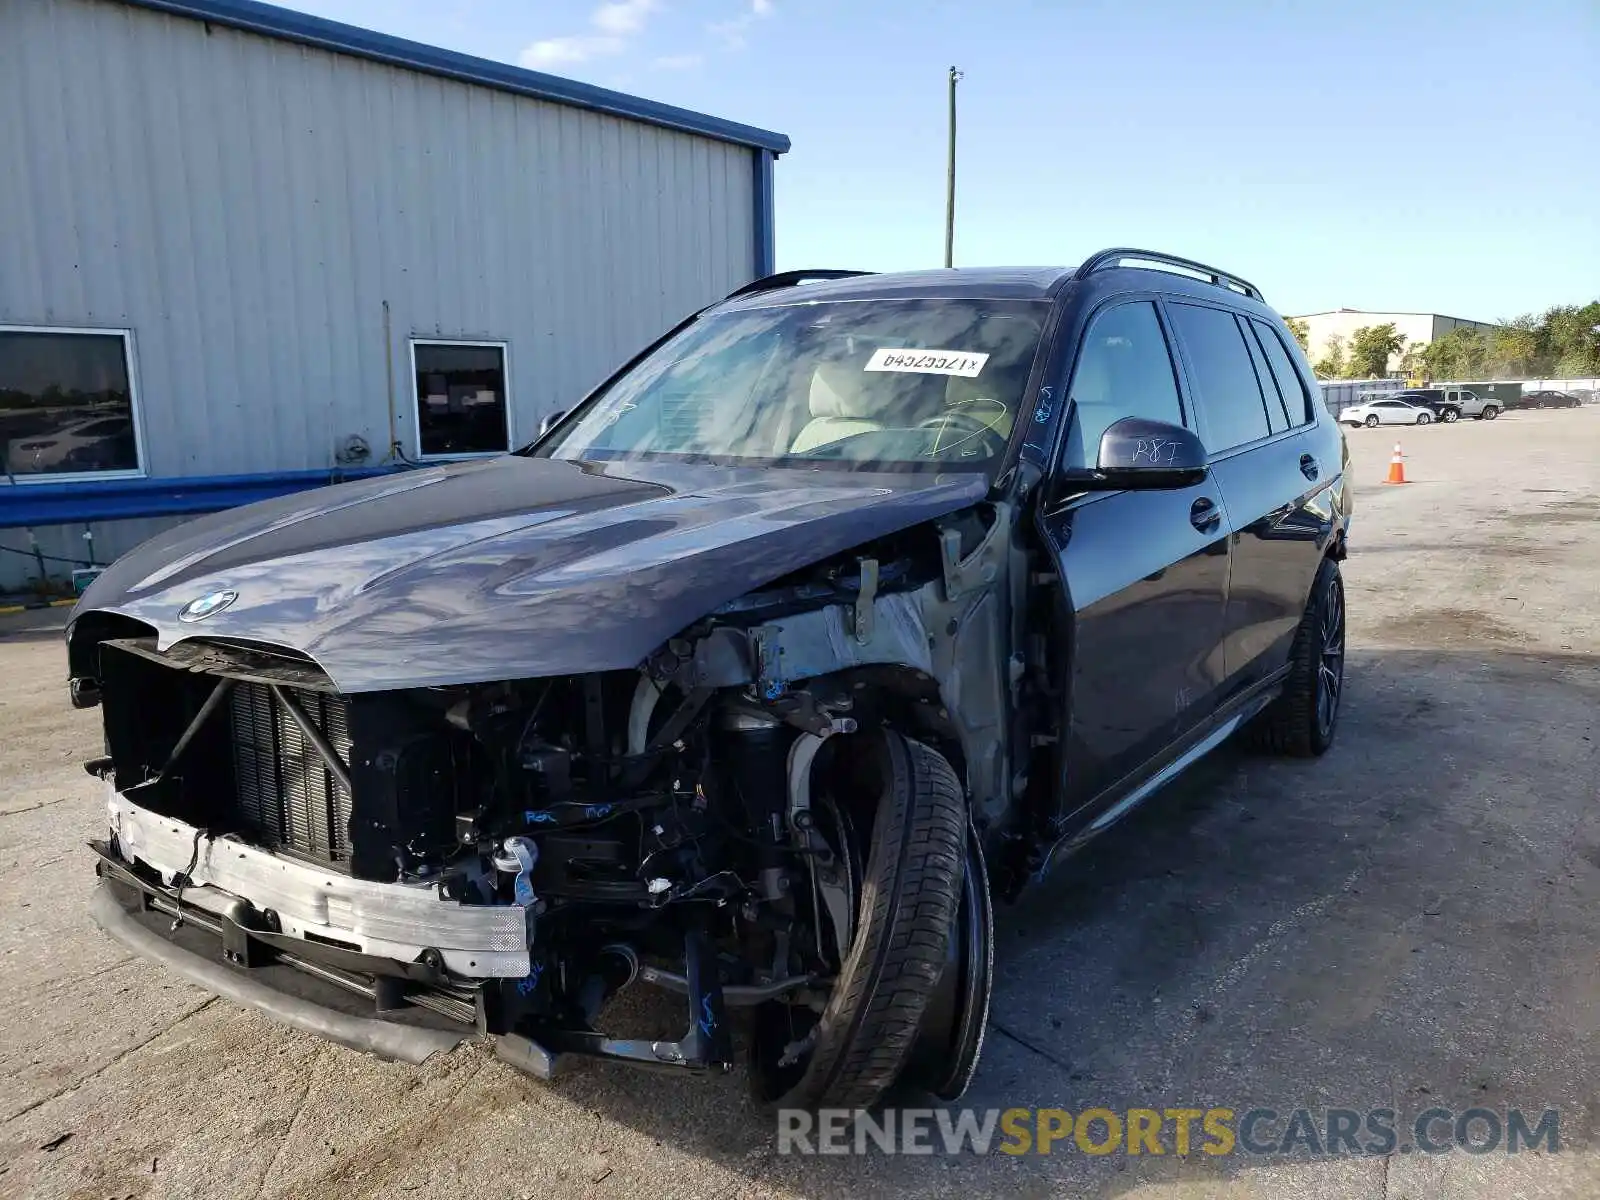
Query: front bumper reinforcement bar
[[411, 1044]]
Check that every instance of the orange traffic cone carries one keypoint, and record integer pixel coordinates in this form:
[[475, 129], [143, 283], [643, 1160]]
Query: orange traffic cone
[[1397, 467]]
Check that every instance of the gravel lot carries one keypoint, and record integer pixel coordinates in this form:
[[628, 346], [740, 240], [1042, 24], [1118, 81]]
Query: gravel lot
[[1408, 922]]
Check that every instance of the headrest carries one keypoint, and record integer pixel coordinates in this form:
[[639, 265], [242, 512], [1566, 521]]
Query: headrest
[[838, 389], [1091, 384]]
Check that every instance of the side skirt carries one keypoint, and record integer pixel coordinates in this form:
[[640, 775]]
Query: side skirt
[[1205, 739]]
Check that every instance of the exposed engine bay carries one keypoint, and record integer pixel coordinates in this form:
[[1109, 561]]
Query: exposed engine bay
[[507, 856]]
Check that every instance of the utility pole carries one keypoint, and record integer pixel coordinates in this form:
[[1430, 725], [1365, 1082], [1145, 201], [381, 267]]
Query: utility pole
[[950, 180]]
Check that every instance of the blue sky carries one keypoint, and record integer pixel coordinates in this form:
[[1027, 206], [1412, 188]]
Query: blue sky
[[1426, 155]]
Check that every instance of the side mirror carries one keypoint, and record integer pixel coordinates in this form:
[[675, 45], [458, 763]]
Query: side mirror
[[551, 421], [1140, 453]]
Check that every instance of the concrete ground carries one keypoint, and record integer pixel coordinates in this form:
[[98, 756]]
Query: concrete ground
[[1409, 921]]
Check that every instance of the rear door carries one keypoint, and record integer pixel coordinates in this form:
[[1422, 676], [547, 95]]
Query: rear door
[[1255, 415], [1143, 573]]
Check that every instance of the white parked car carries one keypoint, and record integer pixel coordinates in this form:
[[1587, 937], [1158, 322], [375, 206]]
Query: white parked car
[[1385, 412]]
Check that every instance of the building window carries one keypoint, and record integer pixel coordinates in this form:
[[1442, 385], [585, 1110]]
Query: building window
[[462, 402], [66, 403]]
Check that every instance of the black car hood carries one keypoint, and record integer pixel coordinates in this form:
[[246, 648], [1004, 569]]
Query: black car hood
[[505, 568]]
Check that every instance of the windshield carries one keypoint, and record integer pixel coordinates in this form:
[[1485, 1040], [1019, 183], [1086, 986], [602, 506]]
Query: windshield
[[854, 384]]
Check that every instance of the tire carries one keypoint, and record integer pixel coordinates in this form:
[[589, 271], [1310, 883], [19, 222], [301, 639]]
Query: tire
[[1449, 416], [1424, 419], [911, 892], [1372, 421], [1490, 413], [1297, 724]]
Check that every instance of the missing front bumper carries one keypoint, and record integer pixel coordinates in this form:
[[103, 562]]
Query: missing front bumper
[[384, 921], [315, 997], [398, 1010]]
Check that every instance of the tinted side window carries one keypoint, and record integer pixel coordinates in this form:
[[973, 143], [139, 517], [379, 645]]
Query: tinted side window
[[1291, 386], [1223, 375], [1124, 370], [1277, 416]]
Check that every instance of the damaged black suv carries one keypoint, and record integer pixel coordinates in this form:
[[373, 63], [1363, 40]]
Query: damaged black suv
[[853, 601]]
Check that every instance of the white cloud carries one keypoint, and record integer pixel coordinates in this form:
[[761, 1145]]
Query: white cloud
[[622, 17], [679, 62], [553, 52], [734, 32], [614, 22]]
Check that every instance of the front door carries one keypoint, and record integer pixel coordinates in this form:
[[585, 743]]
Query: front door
[[1143, 576]]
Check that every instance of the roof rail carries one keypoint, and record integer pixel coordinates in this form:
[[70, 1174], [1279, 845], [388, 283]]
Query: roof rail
[[1106, 259], [783, 279]]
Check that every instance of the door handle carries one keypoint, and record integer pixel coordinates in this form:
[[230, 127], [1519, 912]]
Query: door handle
[[1308, 467], [1204, 515]]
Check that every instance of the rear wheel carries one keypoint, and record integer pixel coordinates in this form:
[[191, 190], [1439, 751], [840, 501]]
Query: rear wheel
[[1372, 421], [1449, 415], [907, 906], [1301, 722]]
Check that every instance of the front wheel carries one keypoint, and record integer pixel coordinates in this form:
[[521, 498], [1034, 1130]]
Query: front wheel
[[906, 907], [1424, 419], [1490, 413], [1302, 720], [1372, 421]]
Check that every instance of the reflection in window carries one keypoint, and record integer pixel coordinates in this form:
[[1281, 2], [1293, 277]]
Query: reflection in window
[[461, 398], [66, 403], [1124, 370], [1297, 403], [865, 382], [1223, 374]]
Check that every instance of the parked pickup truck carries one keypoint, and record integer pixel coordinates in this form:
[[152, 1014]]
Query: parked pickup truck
[[1451, 404]]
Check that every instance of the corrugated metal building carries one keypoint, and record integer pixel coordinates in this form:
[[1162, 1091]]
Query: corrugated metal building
[[238, 244], [1417, 328]]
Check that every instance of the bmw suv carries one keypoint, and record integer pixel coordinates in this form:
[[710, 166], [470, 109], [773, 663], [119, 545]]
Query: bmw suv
[[852, 604]]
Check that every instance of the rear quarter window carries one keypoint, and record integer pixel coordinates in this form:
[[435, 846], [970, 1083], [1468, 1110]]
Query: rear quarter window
[[1291, 384]]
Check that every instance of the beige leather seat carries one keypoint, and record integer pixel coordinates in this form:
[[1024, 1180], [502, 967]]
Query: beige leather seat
[[1094, 397], [841, 406]]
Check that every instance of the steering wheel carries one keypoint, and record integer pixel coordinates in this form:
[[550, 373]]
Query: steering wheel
[[956, 428]]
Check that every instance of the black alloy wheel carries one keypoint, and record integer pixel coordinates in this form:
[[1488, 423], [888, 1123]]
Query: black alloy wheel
[[1330, 663], [1302, 720]]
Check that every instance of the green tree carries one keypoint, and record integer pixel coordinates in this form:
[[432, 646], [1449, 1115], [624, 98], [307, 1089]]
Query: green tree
[[1371, 347], [1332, 363], [1301, 331], [1412, 363], [1462, 354], [1570, 343], [1513, 349]]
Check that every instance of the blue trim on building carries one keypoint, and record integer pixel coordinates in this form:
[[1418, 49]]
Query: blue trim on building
[[41, 504], [766, 250], [272, 21]]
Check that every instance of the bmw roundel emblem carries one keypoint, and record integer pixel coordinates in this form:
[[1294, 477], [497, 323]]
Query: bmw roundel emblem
[[203, 607]]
